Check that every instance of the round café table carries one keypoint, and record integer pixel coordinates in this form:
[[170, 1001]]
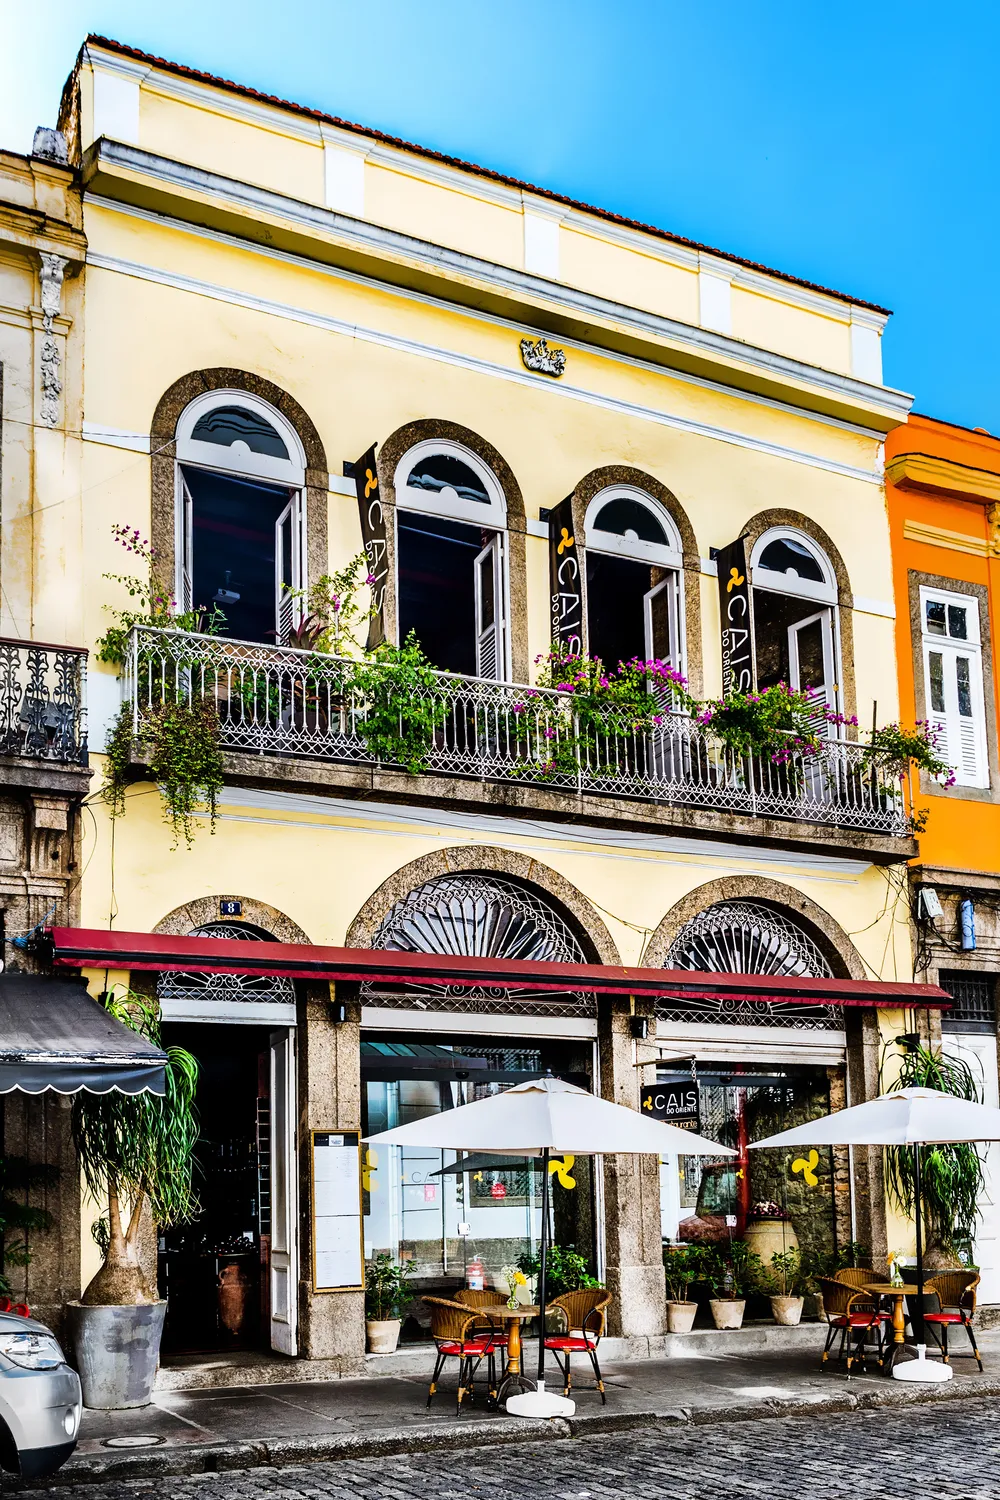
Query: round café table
[[898, 1294], [514, 1382]]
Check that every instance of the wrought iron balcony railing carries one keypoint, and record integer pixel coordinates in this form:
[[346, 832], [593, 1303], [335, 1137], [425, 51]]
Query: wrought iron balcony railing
[[277, 700], [43, 712]]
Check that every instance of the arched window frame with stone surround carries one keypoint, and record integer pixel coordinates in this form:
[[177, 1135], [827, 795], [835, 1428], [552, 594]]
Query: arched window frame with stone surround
[[502, 516], [663, 601], [172, 444]]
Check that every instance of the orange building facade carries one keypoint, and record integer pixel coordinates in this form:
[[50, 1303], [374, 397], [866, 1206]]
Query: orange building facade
[[943, 496]]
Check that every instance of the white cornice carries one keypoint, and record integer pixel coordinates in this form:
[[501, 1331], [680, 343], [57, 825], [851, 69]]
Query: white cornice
[[298, 127], [355, 278], [114, 62], [467, 362]]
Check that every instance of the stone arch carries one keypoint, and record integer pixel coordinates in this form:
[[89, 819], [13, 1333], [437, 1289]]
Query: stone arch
[[163, 454], [581, 916], [754, 530], [427, 429], [600, 479], [205, 909], [844, 959]]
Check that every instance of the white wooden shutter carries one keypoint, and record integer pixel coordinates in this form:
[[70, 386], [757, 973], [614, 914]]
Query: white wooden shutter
[[287, 570], [660, 611], [184, 545], [490, 614], [810, 664], [953, 685], [284, 1265]]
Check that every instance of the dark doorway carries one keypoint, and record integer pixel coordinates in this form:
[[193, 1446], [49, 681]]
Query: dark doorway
[[233, 550], [214, 1272], [437, 587], [616, 616]]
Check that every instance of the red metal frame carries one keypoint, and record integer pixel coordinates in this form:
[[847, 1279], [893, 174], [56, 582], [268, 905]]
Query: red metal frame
[[81, 947]]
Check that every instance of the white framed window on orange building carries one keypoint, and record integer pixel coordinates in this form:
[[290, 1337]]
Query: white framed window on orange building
[[953, 682]]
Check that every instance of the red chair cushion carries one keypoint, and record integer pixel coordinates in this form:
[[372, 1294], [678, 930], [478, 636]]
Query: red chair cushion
[[447, 1346], [943, 1317], [566, 1341], [859, 1320]]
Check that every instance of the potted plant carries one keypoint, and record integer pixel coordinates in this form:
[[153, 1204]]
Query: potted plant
[[784, 1281], [731, 1271], [385, 1289], [136, 1152], [683, 1265]]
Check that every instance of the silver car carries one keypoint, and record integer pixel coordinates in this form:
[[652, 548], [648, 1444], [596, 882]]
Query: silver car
[[40, 1401]]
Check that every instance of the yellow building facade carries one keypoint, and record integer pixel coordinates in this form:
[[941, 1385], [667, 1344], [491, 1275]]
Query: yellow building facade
[[269, 293]]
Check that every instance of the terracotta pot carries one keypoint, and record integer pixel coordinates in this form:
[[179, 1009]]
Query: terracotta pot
[[728, 1311], [383, 1335], [680, 1316], [232, 1297], [787, 1310]]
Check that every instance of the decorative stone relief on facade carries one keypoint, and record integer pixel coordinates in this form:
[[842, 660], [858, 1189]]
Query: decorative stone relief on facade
[[52, 273], [993, 522], [536, 355]]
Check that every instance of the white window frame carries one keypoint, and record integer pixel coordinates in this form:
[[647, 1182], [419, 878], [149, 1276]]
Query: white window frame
[[784, 583], [972, 648], [492, 516], [670, 558]]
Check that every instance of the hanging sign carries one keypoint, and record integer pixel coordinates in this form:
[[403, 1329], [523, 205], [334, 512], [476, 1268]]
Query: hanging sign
[[373, 538], [734, 610], [498, 1190], [674, 1102], [565, 583]]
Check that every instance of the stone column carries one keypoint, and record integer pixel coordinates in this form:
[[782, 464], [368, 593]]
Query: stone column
[[37, 1127], [634, 1245], [864, 1046], [331, 1324]]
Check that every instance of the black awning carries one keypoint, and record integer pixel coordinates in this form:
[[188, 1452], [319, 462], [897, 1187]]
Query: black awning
[[53, 1036]]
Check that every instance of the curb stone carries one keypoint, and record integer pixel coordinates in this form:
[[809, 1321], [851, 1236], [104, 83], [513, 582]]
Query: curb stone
[[213, 1458]]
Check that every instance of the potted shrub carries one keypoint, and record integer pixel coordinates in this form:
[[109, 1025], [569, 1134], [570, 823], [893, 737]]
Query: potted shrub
[[732, 1271], [136, 1152], [385, 1290], [683, 1265], [784, 1281]]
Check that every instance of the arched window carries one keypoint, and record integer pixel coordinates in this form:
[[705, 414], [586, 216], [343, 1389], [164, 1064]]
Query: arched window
[[748, 937], [240, 514], [183, 996], [489, 916], [796, 634], [451, 558], [634, 598]]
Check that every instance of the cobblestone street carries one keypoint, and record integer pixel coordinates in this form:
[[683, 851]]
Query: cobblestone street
[[950, 1450]]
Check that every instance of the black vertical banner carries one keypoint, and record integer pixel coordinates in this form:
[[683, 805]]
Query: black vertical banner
[[373, 537], [734, 610], [565, 583]]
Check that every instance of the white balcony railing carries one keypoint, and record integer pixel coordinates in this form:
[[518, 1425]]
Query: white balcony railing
[[280, 701]]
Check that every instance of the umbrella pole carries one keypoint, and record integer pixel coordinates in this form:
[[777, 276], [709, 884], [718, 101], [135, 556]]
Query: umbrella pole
[[919, 1331], [542, 1260]]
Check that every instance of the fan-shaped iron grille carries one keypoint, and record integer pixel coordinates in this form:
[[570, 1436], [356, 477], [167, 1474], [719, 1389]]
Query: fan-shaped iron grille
[[176, 984], [486, 916], [746, 937]]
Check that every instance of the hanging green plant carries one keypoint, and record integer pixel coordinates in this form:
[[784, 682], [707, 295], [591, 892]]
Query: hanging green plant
[[179, 743], [952, 1176], [406, 701]]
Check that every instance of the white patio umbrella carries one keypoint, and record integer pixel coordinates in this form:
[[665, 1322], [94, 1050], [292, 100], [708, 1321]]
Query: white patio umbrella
[[547, 1117], [912, 1117]]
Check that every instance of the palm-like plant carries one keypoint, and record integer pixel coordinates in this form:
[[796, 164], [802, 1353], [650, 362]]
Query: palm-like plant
[[952, 1180], [134, 1149]]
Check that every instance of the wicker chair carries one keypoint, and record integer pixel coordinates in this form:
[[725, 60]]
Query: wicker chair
[[854, 1314], [859, 1276], [483, 1301], [583, 1314], [455, 1332], [956, 1298]]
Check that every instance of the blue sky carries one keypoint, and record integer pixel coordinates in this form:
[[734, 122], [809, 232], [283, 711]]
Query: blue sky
[[854, 144]]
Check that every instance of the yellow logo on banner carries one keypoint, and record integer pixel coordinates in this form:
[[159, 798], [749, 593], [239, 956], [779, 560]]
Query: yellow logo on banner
[[562, 1170], [368, 1168], [807, 1166], [566, 541], [735, 579], [371, 482]]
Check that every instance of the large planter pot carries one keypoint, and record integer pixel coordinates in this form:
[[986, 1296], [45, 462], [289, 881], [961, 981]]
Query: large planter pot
[[767, 1237], [383, 1335], [728, 1311], [116, 1351], [680, 1316], [787, 1310]]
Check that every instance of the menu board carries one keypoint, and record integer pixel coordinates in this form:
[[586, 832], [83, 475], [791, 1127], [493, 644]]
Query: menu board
[[337, 1231]]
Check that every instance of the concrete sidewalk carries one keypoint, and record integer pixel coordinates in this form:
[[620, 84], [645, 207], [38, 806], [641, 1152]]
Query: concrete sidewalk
[[239, 1427]]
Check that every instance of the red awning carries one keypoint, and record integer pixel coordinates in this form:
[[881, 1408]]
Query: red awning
[[81, 947]]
